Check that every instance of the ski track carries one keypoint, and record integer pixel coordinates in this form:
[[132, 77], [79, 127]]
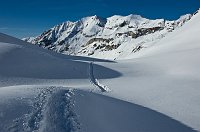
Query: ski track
[[95, 81], [53, 110]]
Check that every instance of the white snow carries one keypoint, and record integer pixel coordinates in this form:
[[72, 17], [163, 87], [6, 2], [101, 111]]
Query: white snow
[[156, 89], [164, 77], [94, 81]]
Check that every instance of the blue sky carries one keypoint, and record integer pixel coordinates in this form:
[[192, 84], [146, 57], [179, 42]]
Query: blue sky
[[22, 18]]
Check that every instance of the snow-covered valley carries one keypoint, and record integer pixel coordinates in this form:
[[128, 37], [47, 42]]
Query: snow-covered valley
[[153, 90]]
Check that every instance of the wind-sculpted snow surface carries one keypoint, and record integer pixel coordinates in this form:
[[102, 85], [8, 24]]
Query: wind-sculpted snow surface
[[25, 64], [59, 109], [99, 113]]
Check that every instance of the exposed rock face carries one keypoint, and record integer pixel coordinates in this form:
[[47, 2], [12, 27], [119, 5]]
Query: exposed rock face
[[98, 37]]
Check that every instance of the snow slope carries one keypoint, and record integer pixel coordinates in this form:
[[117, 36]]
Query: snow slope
[[36, 95], [52, 109], [156, 91], [164, 77], [24, 64], [99, 113]]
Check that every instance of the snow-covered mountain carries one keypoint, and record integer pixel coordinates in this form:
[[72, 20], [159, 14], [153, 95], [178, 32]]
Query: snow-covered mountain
[[155, 90], [113, 38]]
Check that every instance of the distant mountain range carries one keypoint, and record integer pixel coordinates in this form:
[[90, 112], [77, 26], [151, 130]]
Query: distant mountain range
[[115, 37]]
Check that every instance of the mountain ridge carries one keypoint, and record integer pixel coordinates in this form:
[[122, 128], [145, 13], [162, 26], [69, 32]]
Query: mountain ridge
[[114, 37]]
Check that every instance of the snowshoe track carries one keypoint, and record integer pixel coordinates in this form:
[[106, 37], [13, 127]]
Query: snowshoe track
[[95, 81], [53, 111]]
